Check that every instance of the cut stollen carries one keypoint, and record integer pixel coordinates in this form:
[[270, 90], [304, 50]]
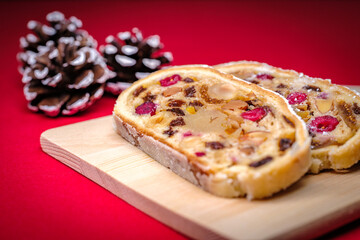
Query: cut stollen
[[331, 112], [62, 71], [131, 57], [223, 134]]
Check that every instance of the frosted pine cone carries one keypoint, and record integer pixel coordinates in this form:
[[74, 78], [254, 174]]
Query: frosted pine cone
[[62, 71], [131, 57]]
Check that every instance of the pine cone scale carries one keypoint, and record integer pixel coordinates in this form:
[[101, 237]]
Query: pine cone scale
[[51, 106]]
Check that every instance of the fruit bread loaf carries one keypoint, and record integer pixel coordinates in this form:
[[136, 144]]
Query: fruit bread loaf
[[227, 136], [331, 112]]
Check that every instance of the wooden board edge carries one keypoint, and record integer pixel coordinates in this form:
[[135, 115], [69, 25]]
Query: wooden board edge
[[330, 222], [136, 199]]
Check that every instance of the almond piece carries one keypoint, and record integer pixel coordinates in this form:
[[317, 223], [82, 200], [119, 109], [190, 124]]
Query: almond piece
[[244, 74], [171, 91], [324, 105], [255, 138], [223, 91], [305, 115], [234, 105]]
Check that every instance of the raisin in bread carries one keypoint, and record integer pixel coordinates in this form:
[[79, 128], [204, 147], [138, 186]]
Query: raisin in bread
[[331, 112], [227, 136]]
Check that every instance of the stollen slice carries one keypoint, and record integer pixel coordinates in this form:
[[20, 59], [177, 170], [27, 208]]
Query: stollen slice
[[223, 134], [331, 112]]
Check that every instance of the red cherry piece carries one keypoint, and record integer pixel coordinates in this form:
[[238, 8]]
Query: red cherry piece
[[264, 76], [296, 97], [170, 80], [323, 124], [146, 108], [254, 115], [200, 154]]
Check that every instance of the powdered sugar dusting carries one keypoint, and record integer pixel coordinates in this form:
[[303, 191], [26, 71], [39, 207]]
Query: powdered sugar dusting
[[110, 49], [51, 111], [125, 61], [76, 21], [129, 50], [138, 34], [66, 40], [80, 59], [31, 24], [42, 49], [48, 30], [71, 27], [92, 54], [86, 81], [31, 38], [109, 39], [140, 75], [53, 54], [26, 78], [23, 43], [52, 81], [151, 63], [98, 93], [80, 102], [124, 35], [55, 16], [169, 56], [29, 95], [40, 74], [153, 41]]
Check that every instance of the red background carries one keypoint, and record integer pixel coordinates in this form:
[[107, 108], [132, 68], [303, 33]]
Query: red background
[[40, 198]]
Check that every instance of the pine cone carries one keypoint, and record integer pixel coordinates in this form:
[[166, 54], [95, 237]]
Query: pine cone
[[131, 57], [62, 70]]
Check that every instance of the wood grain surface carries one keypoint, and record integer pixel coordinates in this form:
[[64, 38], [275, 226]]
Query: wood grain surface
[[314, 205]]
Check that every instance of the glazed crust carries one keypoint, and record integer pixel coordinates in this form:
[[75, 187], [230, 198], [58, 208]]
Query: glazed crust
[[255, 183], [329, 157]]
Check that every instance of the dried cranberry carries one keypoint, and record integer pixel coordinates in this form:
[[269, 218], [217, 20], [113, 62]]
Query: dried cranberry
[[323, 124], [296, 97], [200, 154], [146, 108], [187, 134], [264, 76], [254, 115], [170, 80]]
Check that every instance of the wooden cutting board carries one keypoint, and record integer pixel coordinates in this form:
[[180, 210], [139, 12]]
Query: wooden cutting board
[[311, 207]]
